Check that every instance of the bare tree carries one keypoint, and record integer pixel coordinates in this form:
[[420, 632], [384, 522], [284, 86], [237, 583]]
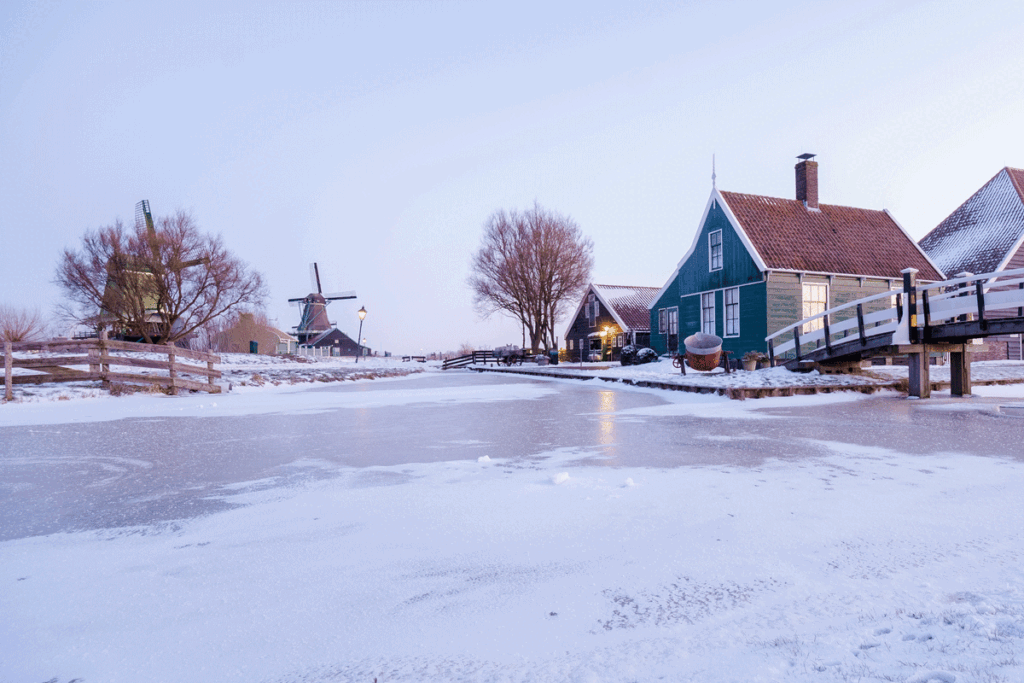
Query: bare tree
[[155, 285], [20, 324], [531, 266]]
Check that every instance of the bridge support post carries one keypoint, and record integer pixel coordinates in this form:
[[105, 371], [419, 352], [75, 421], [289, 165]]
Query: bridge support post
[[920, 379], [959, 372]]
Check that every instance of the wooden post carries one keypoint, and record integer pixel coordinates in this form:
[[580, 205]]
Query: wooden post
[[796, 342], [771, 353], [910, 292], [920, 381], [173, 370], [899, 307], [828, 336], [963, 317], [926, 335], [1020, 309], [209, 378], [8, 370], [980, 293], [104, 367], [94, 360], [860, 325], [959, 372]]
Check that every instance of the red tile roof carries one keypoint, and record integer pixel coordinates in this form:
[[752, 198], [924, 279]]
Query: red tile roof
[[834, 239], [629, 304], [981, 234]]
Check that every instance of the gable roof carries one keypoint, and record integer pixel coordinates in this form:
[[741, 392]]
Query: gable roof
[[834, 239], [628, 305], [985, 231]]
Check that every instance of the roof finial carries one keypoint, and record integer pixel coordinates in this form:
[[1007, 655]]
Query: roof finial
[[713, 176]]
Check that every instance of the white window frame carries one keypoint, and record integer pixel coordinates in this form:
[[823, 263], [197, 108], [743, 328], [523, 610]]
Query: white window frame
[[592, 310], [570, 345], [714, 255], [662, 321], [707, 321], [672, 326], [732, 317], [812, 304]]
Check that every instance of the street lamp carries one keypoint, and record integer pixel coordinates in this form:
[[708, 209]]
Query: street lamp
[[362, 316]]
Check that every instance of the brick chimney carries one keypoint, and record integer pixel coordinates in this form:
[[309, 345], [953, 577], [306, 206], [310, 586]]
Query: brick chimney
[[807, 181]]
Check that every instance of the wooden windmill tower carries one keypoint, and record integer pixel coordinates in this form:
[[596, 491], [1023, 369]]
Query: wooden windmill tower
[[314, 319]]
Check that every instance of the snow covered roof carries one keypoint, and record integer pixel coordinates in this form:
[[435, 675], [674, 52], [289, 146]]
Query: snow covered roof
[[987, 229], [832, 239], [628, 304]]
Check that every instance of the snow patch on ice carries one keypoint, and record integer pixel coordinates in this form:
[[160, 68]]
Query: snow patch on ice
[[560, 478]]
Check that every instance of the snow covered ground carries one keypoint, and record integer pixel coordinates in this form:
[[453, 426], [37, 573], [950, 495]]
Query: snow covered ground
[[242, 370], [849, 562], [879, 375]]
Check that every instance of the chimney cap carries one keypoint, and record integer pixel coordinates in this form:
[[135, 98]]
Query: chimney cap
[[806, 156]]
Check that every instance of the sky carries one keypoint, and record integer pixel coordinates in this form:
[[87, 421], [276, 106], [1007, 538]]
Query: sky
[[375, 138]]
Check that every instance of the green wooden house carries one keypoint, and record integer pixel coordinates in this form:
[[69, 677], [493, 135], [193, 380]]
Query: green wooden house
[[758, 264]]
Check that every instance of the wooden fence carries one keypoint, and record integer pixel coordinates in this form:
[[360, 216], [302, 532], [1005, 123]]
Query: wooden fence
[[95, 354]]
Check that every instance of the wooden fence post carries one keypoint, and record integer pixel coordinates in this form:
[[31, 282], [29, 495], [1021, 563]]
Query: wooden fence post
[[173, 370], [8, 370], [104, 367]]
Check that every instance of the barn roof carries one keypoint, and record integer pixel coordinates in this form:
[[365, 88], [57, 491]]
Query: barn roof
[[985, 231], [830, 239], [628, 304]]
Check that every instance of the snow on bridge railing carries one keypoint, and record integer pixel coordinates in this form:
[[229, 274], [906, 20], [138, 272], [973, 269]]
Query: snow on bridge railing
[[968, 295], [881, 322]]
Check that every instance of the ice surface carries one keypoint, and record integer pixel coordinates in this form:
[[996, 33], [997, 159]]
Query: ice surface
[[813, 561]]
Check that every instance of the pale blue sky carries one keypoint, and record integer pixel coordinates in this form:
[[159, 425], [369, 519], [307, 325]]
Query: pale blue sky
[[376, 138]]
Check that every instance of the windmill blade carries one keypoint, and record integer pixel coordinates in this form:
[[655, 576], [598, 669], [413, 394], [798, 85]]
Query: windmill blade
[[297, 301], [143, 215], [340, 295], [314, 278]]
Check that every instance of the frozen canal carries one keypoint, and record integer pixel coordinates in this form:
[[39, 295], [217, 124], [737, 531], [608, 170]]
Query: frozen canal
[[492, 527]]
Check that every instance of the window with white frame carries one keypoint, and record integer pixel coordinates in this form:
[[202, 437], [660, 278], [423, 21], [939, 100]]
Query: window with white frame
[[673, 320], [732, 312], [592, 310], [707, 312], [815, 302], [570, 345], [715, 250], [662, 320]]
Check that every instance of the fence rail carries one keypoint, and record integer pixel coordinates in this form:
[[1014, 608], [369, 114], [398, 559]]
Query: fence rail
[[95, 355]]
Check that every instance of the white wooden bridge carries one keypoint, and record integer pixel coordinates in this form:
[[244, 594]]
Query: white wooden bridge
[[940, 317]]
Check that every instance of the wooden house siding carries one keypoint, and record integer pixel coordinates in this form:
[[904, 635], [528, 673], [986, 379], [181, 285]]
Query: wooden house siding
[[580, 330], [737, 266]]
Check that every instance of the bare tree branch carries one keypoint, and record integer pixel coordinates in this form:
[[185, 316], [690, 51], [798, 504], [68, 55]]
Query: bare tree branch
[[21, 324], [155, 288], [530, 266]]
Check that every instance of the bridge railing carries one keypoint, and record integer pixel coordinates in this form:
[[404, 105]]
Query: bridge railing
[[972, 295], [865, 324], [966, 297]]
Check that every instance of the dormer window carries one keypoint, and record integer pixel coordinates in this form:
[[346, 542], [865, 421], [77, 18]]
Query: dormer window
[[715, 250]]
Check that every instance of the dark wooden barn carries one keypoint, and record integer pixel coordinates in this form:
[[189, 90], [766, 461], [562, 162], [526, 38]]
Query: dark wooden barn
[[608, 318]]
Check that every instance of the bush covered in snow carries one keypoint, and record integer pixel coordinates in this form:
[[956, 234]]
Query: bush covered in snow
[[637, 355]]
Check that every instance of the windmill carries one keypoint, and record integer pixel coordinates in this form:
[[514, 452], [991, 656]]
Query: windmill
[[314, 308]]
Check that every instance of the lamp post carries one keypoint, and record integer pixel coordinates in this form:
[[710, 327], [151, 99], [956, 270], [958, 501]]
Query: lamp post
[[362, 316]]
